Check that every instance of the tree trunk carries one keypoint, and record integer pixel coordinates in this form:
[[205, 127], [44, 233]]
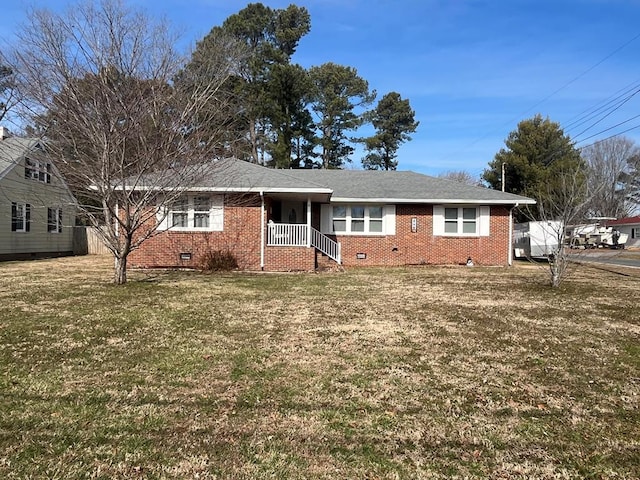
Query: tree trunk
[[120, 270], [253, 138]]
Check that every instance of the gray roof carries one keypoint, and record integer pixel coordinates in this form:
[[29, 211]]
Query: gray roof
[[12, 149], [232, 175], [403, 187]]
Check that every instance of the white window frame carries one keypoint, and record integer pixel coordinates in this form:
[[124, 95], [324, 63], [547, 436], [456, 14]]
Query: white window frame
[[54, 214], [215, 219], [460, 221], [481, 219], [635, 232], [37, 170], [350, 219], [23, 217]]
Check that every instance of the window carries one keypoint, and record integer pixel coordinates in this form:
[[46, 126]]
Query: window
[[339, 219], [54, 220], [201, 208], [196, 212], [375, 219], [20, 217], [461, 221], [37, 170], [358, 219], [179, 214], [635, 232]]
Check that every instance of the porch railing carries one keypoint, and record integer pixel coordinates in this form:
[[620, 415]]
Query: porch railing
[[287, 235], [329, 247], [299, 235]]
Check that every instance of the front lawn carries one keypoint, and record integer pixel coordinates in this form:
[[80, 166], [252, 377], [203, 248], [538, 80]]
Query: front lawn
[[409, 373]]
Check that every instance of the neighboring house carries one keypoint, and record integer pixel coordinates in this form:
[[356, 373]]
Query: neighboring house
[[284, 220], [630, 226], [37, 210]]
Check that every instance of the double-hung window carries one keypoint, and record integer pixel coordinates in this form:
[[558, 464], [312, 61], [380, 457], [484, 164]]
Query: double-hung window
[[196, 212], [357, 219], [37, 170], [20, 217], [54, 220], [461, 220]]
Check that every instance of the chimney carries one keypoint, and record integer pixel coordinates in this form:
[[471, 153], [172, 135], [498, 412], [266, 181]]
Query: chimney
[[4, 133]]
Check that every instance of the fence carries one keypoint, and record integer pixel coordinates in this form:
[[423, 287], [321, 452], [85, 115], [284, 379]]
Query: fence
[[87, 241]]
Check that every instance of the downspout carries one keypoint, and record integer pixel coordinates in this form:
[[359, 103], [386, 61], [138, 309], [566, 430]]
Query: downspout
[[262, 232], [510, 251]]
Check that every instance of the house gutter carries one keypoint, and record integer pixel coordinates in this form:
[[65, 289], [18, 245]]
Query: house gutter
[[262, 232]]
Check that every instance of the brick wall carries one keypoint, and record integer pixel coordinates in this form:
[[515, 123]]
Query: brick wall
[[289, 259], [421, 247], [242, 237]]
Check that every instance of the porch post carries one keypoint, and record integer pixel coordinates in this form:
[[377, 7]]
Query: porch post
[[308, 222]]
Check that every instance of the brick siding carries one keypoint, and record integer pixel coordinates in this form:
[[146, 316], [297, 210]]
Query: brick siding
[[421, 247], [242, 237]]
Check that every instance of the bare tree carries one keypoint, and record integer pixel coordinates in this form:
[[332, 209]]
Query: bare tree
[[609, 166], [563, 203], [461, 176], [120, 113], [8, 92]]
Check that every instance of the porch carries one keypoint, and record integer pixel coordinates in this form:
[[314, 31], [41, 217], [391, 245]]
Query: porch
[[293, 234], [302, 235]]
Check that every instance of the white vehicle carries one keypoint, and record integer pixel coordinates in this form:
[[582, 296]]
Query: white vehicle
[[537, 239], [595, 236]]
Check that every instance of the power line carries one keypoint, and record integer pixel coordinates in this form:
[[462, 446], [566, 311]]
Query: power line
[[565, 85]]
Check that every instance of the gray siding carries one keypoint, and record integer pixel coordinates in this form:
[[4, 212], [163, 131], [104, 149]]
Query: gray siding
[[14, 187]]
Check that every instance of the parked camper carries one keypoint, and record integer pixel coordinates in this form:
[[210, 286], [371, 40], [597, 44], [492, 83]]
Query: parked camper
[[536, 239], [595, 236]]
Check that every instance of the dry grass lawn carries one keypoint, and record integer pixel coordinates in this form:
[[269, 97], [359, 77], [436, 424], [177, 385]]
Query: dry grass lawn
[[381, 373]]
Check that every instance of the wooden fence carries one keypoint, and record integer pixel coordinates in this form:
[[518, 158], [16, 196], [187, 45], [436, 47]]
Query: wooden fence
[[86, 241]]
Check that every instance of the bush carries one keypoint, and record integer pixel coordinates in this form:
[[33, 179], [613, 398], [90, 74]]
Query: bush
[[218, 261]]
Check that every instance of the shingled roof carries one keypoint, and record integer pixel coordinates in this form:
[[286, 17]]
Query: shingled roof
[[231, 175], [402, 187]]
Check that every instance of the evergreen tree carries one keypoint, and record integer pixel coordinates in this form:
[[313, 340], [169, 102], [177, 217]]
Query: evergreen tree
[[337, 92], [393, 120], [536, 155]]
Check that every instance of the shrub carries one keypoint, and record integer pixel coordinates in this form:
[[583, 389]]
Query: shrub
[[218, 260]]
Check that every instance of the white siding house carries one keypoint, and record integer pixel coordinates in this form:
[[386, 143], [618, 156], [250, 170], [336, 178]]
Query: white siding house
[[630, 226], [37, 210]]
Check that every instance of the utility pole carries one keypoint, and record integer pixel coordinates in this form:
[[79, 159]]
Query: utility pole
[[502, 178]]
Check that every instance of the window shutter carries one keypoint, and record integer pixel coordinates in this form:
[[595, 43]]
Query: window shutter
[[325, 218], [216, 216], [390, 219], [48, 175], [59, 220], [50, 220], [438, 220], [14, 215], [484, 220], [27, 226]]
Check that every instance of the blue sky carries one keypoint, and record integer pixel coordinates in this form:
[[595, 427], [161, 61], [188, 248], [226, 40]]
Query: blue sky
[[471, 69]]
